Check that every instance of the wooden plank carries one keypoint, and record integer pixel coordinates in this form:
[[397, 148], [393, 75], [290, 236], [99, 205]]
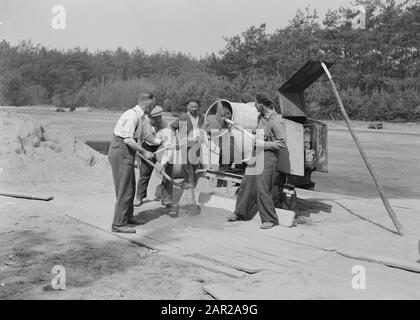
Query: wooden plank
[[220, 292], [206, 265], [275, 250], [169, 251], [26, 196], [205, 249], [308, 245], [388, 261], [231, 261], [240, 246]]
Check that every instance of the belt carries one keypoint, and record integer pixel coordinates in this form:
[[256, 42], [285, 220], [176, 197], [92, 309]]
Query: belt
[[119, 139]]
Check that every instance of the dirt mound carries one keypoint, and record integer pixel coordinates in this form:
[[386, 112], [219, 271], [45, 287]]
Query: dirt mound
[[34, 152]]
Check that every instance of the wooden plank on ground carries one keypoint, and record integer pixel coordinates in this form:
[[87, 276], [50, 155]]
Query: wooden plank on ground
[[220, 292], [304, 244], [169, 251], [265, 248], [388, 261], [26, 196], [206, 265], [232, 262], [205, 249], [238, 246]]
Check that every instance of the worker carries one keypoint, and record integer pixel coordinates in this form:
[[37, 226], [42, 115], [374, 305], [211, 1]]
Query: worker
[[189, 123], [161, 130], [131, 126], [254, 193]]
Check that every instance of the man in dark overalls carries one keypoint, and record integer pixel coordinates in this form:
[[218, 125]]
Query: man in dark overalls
[[255, 192], [131, 127]]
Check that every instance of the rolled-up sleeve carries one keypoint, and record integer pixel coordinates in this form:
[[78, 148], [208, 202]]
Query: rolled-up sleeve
[[278, 135]]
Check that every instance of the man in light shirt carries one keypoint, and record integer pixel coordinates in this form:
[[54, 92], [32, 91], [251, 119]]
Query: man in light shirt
[[132, 126]]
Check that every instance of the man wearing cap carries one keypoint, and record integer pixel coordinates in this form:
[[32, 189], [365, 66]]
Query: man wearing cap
[[255, 192], [131, 127], [189, 123], [162, 131]]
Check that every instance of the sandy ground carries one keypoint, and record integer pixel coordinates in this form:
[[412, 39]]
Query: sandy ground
[[35, 236]]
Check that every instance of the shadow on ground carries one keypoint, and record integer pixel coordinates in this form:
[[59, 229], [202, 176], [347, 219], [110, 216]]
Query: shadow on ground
[[31, 255]]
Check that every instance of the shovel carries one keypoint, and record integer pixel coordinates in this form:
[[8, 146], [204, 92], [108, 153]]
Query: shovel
[[178, 184]]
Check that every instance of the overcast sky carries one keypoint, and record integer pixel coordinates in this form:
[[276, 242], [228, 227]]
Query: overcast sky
[[190, 26]]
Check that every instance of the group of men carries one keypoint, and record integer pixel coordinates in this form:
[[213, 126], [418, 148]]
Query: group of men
[[142, 131]]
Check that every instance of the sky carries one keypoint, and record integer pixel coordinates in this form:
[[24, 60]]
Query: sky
[[191, 26]]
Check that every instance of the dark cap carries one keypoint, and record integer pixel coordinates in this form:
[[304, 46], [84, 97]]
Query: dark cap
[[264, 98], [192, 99]]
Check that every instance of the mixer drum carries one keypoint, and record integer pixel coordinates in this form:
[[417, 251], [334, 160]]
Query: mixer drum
[[235, 145]]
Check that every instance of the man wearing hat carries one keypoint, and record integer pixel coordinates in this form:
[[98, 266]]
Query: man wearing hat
[[190, 122], [131, 127], [255, 192], [162, 131]]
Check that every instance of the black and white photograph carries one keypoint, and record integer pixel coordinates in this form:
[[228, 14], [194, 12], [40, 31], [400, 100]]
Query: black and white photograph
[[209, 155]]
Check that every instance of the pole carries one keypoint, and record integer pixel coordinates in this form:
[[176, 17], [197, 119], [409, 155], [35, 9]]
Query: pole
[[385, 201]]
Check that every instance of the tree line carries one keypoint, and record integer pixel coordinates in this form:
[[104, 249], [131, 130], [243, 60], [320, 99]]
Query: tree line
[[376, 69]]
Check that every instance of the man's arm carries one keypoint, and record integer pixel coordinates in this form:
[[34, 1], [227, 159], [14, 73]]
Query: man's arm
[[175, 125], [135, 146], [129, 131], [153, 140], [278, 131]]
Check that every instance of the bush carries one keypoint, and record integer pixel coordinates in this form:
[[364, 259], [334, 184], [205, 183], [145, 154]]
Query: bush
[[116, 95]]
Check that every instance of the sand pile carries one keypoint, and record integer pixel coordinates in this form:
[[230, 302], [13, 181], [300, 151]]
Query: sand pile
[[33, 152]]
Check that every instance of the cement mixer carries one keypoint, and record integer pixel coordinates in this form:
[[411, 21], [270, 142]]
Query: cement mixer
[[233, 145], [306, 138]]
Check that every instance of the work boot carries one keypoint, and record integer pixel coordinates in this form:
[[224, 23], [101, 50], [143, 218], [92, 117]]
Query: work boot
[[166, 204], [123, 229], [232, 217], [138, 202], [266, 225]]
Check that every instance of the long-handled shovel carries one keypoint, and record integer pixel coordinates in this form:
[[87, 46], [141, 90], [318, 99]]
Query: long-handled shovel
[[385, 201], [186, 203], [163, 173]]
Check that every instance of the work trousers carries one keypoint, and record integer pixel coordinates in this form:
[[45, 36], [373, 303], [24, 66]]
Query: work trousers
[[255, 192], [121, 158], [163, 191]]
